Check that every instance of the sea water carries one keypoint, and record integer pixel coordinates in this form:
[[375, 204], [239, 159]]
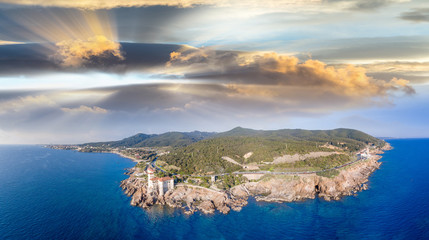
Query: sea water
[[58, 194]]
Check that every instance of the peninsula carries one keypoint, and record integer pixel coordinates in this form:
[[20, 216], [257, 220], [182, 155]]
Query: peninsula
[[208, 172]]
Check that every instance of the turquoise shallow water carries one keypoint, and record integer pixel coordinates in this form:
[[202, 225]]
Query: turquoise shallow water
[[55, 194]]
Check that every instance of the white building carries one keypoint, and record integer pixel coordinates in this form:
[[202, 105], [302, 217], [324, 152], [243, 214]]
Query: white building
[[364, 154], [162, 185]]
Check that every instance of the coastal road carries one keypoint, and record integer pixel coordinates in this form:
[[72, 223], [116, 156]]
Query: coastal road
[[303, 172], [154, 166], [283, 173]]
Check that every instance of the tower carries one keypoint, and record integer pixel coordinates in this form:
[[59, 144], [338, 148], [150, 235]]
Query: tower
[[150, 178]]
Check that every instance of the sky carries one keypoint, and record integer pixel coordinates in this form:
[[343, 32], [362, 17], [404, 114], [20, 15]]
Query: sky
[[89, 70]]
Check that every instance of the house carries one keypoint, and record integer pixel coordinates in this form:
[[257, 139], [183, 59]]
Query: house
[[364, 154]]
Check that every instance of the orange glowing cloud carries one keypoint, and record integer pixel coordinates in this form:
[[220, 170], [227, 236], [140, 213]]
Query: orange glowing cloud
[[75, 53], [268, 70], [77, 36]]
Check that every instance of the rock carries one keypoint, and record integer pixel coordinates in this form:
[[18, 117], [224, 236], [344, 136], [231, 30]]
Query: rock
[[136, 198], [190, 198], [287, 189], [223, 209], [206, 207]]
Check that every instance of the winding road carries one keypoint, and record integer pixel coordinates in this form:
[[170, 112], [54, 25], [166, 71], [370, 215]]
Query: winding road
[[283, 173]]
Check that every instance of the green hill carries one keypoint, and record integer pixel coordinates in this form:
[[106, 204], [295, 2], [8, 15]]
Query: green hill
[[206, 155], [172, 139], [353, 138], [202, 152]]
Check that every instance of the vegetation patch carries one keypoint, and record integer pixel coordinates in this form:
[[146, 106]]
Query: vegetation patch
[[310, 164], [141, 165], [229, 181], [329, 174], [268, 177]]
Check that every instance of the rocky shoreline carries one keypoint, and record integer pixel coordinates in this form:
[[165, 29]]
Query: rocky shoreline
[[271, 188], [189, 198]]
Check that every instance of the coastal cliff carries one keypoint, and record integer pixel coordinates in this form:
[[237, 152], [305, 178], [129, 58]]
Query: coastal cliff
[[188, 197], [272, 188]]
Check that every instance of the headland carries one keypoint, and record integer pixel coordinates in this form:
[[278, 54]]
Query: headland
[[211, 172]]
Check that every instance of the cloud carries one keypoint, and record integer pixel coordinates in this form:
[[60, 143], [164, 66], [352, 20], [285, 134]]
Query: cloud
[[363, 5], [49, 116], [363, 50], [19, 59], [288, 5], [279, 70], [73, 116], [416, 15], [108, 4], [25, 103], [415, 72], [369, 5], [30, 59], [398, 67], [85, 109], [96, 50], [401, 84]]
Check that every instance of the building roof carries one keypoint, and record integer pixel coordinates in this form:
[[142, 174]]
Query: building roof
[[150, 170], [163, 179]]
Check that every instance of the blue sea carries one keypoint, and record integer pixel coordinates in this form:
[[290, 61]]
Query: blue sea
[[58, 194]]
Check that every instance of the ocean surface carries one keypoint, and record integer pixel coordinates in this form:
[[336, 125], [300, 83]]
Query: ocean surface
[[58, 194]]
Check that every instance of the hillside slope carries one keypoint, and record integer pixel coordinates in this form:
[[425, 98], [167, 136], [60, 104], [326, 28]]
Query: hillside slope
[[206, 155], [172, 139]]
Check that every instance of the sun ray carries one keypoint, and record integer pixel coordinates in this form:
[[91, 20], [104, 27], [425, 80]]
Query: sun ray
[[50, 26]]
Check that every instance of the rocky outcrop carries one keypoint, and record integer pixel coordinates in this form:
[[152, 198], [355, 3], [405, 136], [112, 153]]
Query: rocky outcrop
[[188, 197], [273, 188]]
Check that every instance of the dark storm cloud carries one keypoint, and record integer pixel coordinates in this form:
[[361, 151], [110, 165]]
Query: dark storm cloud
[[139, 55], [22, 59], [416, 15]]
